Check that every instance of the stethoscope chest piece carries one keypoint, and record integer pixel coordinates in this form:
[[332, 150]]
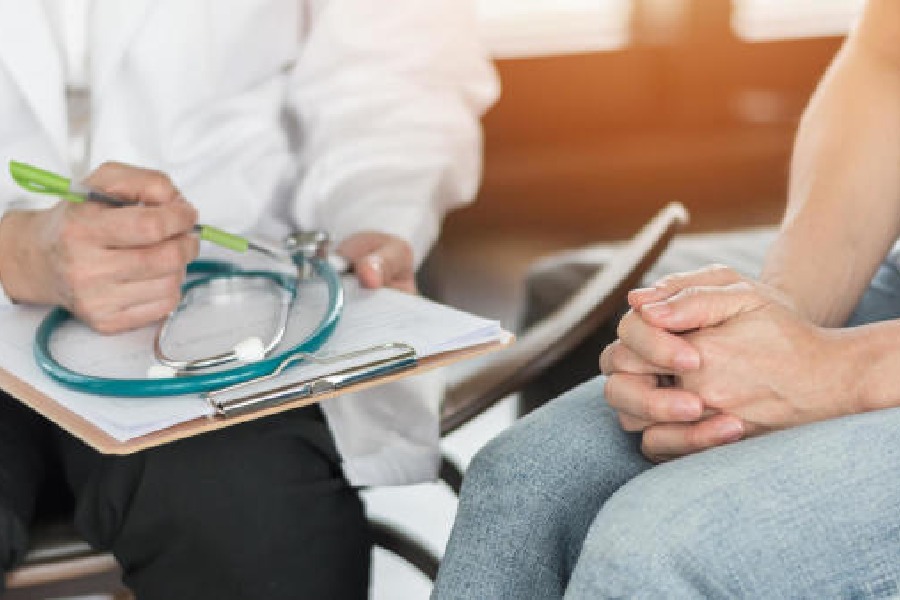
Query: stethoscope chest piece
[[215, 290]]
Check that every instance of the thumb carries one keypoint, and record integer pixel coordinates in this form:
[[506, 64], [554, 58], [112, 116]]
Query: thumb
[[380, 260], [665, 288], [369, 269], [699, 307]]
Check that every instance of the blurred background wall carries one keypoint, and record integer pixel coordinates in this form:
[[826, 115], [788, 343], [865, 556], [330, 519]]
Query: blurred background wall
[[611, 108]]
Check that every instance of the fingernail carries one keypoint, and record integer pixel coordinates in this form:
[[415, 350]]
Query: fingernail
[[644, 292], [657, 309], [375, 262], [687, 360], [730, 431], [649, 290]]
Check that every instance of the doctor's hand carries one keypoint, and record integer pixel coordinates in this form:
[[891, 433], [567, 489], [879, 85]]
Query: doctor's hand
[[114, 268], [380, 260]]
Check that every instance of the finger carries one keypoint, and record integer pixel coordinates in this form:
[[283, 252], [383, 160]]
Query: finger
[[619, 358], [134, 183], [632, 424], [130, 305], [388, 264], [712, 275], [394, 260], [137, 226], [699, 307], [638, 396], [135, 317], [669, 440], [370, 271], [657, 346], [169, 257]]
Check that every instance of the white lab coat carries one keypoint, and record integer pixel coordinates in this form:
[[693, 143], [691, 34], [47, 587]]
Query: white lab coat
[[381, 99]]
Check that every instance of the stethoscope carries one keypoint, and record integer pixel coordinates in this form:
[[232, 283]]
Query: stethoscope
[[253, 359], [306, 255]]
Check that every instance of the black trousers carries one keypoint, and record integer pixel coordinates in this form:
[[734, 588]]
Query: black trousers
[[259, 510]]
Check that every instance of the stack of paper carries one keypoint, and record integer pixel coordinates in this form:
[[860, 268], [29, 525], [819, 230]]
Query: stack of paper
[[370, 318]]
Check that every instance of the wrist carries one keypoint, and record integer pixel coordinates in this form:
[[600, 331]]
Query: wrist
[[14, 255], [870, 355]]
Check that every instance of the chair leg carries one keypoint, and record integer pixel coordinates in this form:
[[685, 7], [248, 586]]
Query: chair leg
[[450, 474], [407, 548]]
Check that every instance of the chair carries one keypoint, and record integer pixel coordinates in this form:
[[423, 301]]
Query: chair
[[543, 345], [60, 563]]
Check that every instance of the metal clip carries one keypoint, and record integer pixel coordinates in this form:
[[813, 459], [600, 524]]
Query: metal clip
[[405, 359], [304, 246]]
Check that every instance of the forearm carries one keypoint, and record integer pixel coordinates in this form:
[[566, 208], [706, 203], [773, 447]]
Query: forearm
[[844, 205]]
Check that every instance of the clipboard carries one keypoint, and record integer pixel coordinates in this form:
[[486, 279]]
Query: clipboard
[[386, 313], [234, 410]]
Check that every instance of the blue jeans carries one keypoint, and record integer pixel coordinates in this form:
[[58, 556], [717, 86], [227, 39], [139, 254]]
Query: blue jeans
[[563, 504]]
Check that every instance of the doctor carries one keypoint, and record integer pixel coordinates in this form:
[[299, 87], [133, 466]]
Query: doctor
[[354, 117]]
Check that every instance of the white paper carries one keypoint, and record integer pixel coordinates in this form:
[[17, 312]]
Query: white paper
[[369, 318]]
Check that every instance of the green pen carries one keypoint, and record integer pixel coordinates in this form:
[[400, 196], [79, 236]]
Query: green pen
[[40, 181]]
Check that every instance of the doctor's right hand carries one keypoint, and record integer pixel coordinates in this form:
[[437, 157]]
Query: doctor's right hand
[[114, 268]]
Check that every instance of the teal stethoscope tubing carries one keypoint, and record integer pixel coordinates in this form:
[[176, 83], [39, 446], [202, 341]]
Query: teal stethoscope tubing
[[194, 384]]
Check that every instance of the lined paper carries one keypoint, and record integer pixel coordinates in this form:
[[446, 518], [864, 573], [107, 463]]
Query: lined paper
[[370, 317]]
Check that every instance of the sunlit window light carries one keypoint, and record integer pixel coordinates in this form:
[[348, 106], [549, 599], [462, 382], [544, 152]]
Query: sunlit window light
[[766, 20], [519, 28]]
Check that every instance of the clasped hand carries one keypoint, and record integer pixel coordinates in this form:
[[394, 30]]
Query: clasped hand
[[710, 357]]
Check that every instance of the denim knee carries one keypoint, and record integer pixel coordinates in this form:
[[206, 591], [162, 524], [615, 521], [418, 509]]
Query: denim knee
[[555, 468], [649, 543], [802, 513], [571, 448]]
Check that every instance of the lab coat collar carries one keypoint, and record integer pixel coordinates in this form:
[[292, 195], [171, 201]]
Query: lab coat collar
[[29, 54]]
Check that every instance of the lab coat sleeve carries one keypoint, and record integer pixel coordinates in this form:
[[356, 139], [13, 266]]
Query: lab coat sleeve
[[388, 96]]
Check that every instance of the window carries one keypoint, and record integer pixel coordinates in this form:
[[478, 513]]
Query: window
[[762, 20], [517, 28]]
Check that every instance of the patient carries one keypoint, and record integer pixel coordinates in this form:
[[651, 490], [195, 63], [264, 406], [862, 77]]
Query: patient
[[743, 441]]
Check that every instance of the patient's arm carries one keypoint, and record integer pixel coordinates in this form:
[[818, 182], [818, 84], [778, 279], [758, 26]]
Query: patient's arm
[[759, 365], [844, 206], [843, 215]]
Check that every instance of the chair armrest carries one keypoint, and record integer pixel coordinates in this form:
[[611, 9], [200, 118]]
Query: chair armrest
[[60, 563], [548, 340]]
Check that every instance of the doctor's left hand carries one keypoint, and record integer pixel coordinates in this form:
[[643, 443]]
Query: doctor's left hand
[[114, 268], [380, 260]]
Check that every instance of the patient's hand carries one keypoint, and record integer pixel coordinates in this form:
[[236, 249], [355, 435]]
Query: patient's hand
[[762, 366], [380, 260]]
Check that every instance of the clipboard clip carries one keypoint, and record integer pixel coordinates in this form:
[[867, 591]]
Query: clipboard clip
[[401, 356]]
